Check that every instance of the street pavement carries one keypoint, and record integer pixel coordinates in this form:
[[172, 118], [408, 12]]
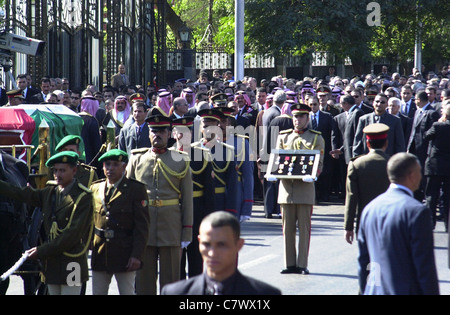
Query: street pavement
[[332, 261]]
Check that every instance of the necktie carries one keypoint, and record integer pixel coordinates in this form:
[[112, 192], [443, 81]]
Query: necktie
[[109, 193], [314, 122]]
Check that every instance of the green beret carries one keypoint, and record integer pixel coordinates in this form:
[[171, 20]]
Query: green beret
[[68, 157], [68, 140], [114, 155]]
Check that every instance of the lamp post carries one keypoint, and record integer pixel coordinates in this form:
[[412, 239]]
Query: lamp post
[[185, 39]]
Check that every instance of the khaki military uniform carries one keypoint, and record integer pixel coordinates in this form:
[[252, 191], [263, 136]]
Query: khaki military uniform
[[121, 225], [169, 188], [68, 224], [297, 198]]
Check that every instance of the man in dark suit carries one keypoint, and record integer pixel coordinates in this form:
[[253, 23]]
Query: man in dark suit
[[423, 120], [120, 79], [408, 105], [323, 122], [220, 244], [396, 250], [358, 95], [28, 92], [135, 135], [394, 108], [270, 188], [437, 166], [396, 139]]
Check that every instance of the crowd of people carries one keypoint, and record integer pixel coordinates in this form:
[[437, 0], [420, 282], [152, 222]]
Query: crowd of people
[[204, 146]]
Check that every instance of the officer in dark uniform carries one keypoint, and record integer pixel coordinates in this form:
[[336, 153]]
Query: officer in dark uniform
[[68, 211], [122, 223], [86, 174], [222, 157], [203, 191], [244, 166]]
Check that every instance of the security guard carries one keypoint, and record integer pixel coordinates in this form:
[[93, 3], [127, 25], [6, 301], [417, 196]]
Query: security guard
[[167, 174], [67, 221], [122, 223], [297, 197], [367, 177], [203, 191], [222, 158], [86, 174], [244, 166]]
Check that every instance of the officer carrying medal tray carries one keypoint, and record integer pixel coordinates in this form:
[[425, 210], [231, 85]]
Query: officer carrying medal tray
[[293, 164]]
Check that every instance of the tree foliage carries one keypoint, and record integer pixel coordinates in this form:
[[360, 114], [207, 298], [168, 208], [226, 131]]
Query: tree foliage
[[278, 27]]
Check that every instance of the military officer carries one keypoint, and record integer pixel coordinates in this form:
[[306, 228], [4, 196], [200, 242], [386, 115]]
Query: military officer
[[122, 222], [222, 157], [86, 174], [67, 221], [167, 174], [366, 177], [244, 166], [203, 191], [297, 197]]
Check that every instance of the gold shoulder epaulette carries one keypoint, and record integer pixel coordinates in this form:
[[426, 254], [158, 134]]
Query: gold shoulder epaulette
[[99, 181], [315, 131], [286, 131], [139, 151]]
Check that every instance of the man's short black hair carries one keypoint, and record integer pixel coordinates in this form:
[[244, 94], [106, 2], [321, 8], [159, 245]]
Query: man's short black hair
[[220, 219]]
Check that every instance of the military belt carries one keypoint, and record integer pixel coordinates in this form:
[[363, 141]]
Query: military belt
[[220, 190], [164, 203], [110, 234], [198, 193]]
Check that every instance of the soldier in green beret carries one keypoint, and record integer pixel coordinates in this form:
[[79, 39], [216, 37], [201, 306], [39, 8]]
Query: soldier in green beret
[[67, 221], [86, 174], [122, 223]]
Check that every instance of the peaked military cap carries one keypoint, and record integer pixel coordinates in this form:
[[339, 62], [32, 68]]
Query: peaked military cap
[[299, 109], [211, 113], [68, 140], [220, 98], [226, 111], [137, 97], [185, 121], [158, 121], [376, 131], [15, 94], [66, 157], [114, 155], [323, 89]]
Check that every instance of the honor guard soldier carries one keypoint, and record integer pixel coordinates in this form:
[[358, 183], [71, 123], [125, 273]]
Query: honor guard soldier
[[203, 191], [122, 223], [222, 158], [297, 197], [67, 208], [86, 174], [244, 166], [367, 177], [167, 174]]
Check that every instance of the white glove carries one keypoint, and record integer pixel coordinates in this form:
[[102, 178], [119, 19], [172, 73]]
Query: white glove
[[271, 178], [185, 244], [244, 218], [309, 179]]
